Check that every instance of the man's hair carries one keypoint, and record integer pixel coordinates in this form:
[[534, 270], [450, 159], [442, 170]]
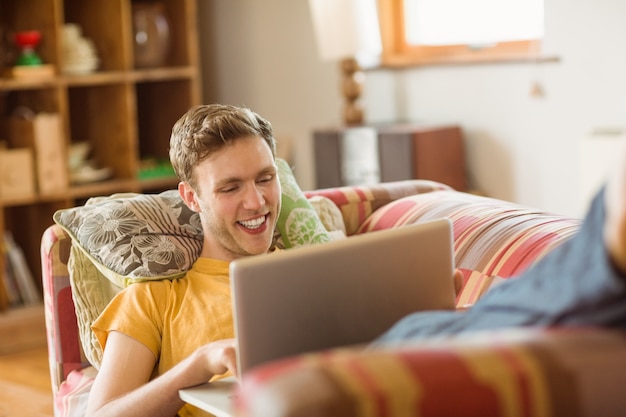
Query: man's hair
[[208, 128]]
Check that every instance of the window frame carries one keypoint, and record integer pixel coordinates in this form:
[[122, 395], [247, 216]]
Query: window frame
[[396, 52]]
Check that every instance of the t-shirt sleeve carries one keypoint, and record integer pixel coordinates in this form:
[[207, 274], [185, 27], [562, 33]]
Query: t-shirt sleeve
[[135, 312]]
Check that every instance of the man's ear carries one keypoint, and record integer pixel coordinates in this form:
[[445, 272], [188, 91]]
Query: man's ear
[[189, 196]]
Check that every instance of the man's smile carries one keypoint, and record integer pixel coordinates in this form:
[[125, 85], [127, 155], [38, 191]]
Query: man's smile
[[253, 223]]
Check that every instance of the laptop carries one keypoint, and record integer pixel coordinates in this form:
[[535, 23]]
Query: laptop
[[345, 292]]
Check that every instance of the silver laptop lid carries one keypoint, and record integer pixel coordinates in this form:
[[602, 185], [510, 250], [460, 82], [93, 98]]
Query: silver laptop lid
[[339, 293]]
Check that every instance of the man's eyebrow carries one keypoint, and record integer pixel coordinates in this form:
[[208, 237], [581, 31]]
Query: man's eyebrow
[[271, 169], [226, 181]]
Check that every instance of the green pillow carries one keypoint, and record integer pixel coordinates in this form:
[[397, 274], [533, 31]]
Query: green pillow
[[298, 222]]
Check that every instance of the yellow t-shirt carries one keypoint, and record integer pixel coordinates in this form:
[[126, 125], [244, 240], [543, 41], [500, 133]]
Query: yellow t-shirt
[[173, 318]]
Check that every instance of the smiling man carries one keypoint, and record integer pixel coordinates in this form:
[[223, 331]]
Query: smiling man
[[161, 336]]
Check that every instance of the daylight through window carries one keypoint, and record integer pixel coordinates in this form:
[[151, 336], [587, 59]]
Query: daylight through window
[[439, 31]]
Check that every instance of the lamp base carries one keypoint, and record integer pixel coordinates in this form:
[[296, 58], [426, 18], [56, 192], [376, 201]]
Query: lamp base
[[352, 86]]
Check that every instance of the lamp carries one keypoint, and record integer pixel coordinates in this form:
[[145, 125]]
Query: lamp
[[347, 30]]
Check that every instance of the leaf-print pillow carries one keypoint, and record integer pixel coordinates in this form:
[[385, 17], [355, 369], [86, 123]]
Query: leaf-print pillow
[[298, 223], [134, 237]]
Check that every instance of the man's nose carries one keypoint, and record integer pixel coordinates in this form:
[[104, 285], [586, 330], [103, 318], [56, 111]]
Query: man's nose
[[254, 198]]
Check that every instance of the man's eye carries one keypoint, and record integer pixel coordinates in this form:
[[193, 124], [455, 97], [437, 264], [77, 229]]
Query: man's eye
[[229, 189], [266, 179]]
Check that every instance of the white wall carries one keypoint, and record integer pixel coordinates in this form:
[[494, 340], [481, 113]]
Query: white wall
[[261, 53]]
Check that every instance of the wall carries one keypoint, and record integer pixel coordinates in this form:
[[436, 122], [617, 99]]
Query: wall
[[521, 148]]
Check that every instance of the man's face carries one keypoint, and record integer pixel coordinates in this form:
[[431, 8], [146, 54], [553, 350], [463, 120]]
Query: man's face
[[238, 199]]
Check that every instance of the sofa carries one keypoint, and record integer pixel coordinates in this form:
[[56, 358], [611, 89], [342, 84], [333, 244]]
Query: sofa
[[510, 372]]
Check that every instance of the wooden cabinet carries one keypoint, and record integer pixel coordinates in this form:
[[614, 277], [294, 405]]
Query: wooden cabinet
[[365, 154], [124, 113]]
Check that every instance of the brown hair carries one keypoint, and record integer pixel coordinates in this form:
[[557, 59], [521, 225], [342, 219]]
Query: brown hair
[[207, 128]]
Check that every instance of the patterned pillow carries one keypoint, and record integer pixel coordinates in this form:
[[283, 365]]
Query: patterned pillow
[[134, 237]]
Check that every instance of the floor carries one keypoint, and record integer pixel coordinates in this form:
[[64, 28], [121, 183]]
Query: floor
[[25, 389]]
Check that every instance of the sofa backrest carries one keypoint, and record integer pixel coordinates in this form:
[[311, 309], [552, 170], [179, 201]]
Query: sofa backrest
[[492, 236], [357, 203]]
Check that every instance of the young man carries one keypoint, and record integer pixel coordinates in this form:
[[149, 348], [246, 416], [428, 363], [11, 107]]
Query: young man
[[224, 157], [159, 337]]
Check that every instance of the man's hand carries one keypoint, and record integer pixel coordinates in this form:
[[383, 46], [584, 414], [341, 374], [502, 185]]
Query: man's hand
[[458, 281], [219, 357]]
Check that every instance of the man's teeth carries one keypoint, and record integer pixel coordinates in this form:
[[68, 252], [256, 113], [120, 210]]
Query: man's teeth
[[254, 223]]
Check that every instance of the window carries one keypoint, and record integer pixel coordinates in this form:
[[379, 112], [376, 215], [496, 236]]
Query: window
[[424, 32]]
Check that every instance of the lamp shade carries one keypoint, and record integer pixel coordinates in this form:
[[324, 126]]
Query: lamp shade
[[346, 28]]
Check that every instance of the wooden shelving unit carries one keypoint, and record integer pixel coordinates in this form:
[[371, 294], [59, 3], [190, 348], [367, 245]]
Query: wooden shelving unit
[[125, 113]]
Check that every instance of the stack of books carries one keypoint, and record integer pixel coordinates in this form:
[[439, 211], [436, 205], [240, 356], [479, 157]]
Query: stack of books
[[19, 284]]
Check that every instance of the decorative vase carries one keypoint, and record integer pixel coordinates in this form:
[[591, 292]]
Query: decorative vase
[[151, 34]]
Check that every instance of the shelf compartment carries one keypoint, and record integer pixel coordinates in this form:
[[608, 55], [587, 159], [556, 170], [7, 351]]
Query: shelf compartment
[[159, 106], [103, 116], [24, 15], [106, 23], [183, 36], [41, 100]]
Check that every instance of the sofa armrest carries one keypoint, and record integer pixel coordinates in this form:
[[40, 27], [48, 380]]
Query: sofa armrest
[[64, 350], [357, 203], [528, 372]]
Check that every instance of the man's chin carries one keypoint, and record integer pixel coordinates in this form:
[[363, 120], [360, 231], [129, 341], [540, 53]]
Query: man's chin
[[251, 244], [258, 249]]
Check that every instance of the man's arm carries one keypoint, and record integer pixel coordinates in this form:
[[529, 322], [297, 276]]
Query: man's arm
[[123, 385]]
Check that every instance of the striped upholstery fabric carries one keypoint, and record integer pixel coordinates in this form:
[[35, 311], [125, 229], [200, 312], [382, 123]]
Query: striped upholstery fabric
[[475, 284], [508, 373], [490, 236]]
